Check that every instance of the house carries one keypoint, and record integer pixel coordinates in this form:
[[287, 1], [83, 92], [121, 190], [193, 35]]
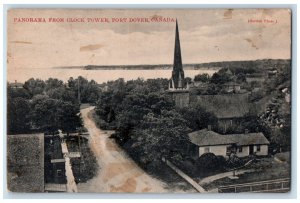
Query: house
[[207, 141], [256, 78], [103, 87], [232, 87], [54, 161], [272, 73], [229, 72], [16, 85], [228, 108], [25, 163], [199, 84]]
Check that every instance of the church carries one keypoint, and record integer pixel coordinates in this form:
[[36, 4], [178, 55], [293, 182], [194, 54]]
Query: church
[[178, 87]]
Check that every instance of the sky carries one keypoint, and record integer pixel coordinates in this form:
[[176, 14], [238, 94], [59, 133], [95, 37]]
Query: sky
[[206, 35]]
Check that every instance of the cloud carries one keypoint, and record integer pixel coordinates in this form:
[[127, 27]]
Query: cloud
[[20, 42], [91, 47], [205, 36]]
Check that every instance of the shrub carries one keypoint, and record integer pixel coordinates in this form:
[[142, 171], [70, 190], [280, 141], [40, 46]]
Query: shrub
[[210, 163]]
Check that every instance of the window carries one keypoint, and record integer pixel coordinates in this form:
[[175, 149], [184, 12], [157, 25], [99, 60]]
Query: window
[[258, 148], [240, 149], [59, 173], [206, 150], [228, 150]]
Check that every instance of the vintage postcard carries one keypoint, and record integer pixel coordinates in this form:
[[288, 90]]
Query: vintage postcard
[[149, 101]]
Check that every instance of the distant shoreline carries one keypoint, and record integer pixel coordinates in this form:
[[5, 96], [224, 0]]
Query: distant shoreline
[[194, 66], [136, 67]]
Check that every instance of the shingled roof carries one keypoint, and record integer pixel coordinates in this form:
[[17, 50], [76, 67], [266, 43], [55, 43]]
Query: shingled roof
[[25, 163], [206, 137], [224, 106]]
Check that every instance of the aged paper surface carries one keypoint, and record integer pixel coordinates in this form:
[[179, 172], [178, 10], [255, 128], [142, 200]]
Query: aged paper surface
[[149, 101]]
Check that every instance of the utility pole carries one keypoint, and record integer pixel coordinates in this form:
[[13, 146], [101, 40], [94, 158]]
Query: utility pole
[[79, 100], [79, 147]]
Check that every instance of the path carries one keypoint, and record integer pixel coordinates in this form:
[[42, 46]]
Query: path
[[71, 185], [117, 172], [184, 176], [210, 179]]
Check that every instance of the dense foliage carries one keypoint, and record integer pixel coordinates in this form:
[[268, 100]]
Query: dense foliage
[[46, 106], [146, 122], [146, 119]]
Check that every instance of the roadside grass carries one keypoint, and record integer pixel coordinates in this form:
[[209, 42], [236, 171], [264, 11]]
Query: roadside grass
[[85, 167], [100, 123], [267, 168], [163, 172]]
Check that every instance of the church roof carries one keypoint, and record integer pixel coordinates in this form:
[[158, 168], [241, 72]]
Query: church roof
[[224, 106]]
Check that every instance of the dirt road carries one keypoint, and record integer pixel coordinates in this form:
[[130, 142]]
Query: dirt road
[[117, 172]]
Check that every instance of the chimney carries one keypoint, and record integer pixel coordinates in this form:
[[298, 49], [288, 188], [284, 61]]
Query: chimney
[[246, 131], [209, 127]]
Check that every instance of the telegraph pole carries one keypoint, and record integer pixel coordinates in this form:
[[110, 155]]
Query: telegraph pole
[[79, 101]]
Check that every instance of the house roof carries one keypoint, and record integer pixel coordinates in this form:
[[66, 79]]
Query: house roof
[[25, 162], [231, 84], [16, 84], [228, 71], [205, 137], [224, 106]]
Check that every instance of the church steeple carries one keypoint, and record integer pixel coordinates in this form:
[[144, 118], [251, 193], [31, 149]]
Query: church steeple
[[177, 72], [177, 86]]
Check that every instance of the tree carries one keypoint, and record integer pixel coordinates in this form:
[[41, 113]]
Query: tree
[[241, 77], [197, 118], [187, 80], [157, 85], [218, 78], [44, 114], [52, 83], [164, 135], [18, 115], [204, 77], [49, 114], [35, 86], [62, 93], [68, 119], [17, 92]]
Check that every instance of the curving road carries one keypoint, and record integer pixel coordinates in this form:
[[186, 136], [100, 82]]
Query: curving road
[[117, 172]]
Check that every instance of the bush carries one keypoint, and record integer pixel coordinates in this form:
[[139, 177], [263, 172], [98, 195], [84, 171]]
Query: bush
[[210, 163], [189, 168], [236, 162]]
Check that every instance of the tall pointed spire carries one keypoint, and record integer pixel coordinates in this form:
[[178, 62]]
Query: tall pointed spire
[[180, 89], [177, 65]]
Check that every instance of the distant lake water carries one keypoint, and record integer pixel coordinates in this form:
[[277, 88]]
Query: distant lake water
[[99, 76]]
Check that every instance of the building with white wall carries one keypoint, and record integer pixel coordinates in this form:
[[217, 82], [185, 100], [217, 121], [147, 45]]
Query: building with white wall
[[242, 145]]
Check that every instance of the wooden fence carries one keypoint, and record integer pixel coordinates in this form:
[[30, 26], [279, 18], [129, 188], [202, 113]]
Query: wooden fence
[[279, 185]]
